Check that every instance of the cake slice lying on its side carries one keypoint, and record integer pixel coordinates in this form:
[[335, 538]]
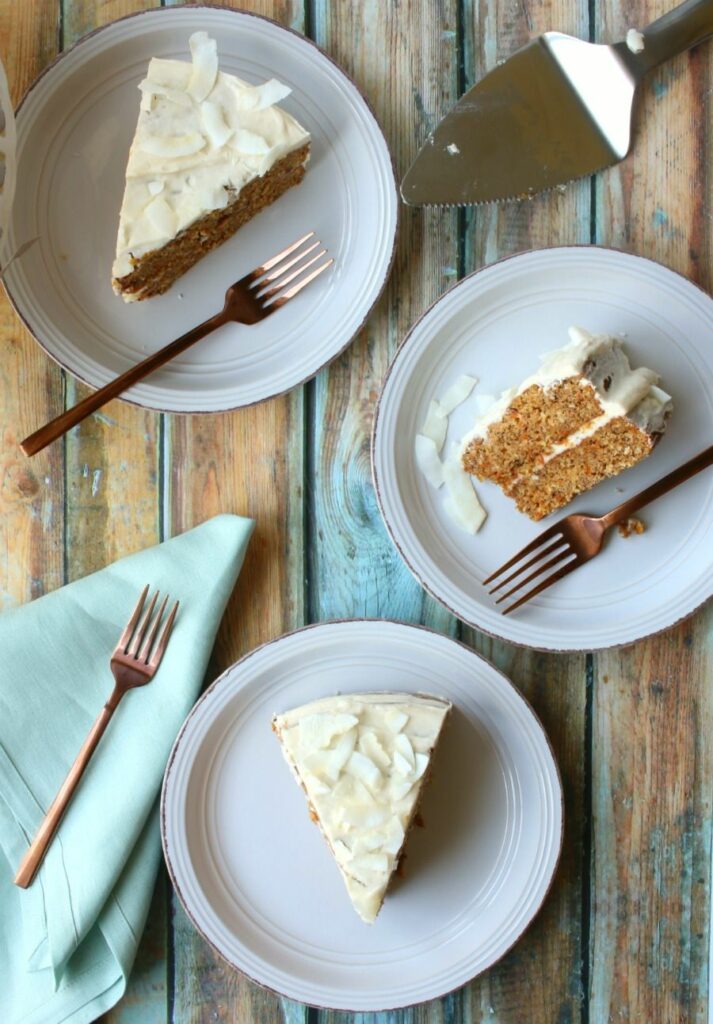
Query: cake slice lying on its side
[[583, 416], [362, 760], [209, 152]]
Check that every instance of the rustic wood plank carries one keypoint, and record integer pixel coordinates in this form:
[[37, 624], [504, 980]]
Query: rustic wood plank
[[249, 462], [111, 465], [652, 702], [404, 58], [540, 979], [31, 492]]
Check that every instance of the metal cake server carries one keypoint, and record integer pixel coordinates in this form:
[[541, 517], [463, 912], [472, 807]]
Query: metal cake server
[[557, 110]]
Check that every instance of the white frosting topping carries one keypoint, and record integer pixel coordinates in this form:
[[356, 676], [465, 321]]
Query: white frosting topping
[[361, 759], [201, 136], [620, 390]]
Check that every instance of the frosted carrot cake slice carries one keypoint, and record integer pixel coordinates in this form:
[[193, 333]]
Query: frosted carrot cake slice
[[583, 416], [362, 760], [209, 152]]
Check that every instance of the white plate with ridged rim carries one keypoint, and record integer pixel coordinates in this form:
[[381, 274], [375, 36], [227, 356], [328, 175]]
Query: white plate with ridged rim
[[494, 324], [256, 877], [75, 126]]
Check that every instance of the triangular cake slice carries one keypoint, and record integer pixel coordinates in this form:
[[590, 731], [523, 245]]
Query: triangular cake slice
[[209, 152], [362, 760]]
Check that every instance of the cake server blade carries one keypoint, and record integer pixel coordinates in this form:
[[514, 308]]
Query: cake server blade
[[557, 110]]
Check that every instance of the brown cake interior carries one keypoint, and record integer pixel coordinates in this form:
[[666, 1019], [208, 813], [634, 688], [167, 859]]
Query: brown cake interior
[[155, 271], [615, 447], [533, 422]]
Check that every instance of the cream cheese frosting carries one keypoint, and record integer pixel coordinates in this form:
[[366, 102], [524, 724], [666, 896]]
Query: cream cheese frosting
[[201, 136], [361, 759], [601, 362]]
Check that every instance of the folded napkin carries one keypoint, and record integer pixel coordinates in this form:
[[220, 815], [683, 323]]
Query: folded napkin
[[68, 942]]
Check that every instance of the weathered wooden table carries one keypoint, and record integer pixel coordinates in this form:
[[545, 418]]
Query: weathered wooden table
[[623, 935]]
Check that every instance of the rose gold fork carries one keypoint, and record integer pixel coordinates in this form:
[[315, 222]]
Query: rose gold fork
[[578, 538], [247, 301], [134, 662]]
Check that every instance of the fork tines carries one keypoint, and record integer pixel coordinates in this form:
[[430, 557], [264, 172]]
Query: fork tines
[[138, 641], [288, 268], [551, 542]]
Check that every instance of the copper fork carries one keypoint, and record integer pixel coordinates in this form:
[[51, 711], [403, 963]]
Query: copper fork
[[134, 662], [253, 298], [577, 539]]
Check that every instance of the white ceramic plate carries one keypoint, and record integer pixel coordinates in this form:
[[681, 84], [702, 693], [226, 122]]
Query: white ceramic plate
[[256, 877], [74, 130], [493, 325]]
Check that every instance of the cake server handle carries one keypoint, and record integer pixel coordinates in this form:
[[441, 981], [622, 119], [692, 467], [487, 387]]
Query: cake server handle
[[701, 461], [68, 419]]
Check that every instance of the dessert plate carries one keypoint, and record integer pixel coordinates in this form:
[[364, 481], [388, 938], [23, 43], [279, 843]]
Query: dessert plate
[[494, 325], [258, 880], [74, 128]]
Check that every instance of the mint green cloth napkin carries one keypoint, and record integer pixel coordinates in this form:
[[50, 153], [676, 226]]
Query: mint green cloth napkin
[[68, 942]]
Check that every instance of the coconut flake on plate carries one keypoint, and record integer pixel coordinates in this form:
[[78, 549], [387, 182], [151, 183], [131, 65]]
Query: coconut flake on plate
[[461, 502], [428, 461], [435, 425], [483, 403], [457, 393]]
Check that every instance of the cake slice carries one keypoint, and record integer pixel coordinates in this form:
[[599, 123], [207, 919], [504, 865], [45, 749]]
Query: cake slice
[[362, 760], [583, 416], [209, 152]]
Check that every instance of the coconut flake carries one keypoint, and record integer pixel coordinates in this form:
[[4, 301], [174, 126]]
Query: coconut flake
[[259, 97], [317, 731], [162, 217], [483, 403], [150, 89], [396, 720], [173, 145], [204, 54], [214, 123], [457, 393], [435, 425], [250, 143], [461, 503], [428, 461], [364, 769]]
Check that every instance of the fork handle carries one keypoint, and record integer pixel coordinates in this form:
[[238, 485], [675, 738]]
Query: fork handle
[[701, 461], [62, 423], [38, 848]]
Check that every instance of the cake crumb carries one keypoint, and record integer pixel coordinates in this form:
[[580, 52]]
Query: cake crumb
[[635, 40], [631, 525]]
